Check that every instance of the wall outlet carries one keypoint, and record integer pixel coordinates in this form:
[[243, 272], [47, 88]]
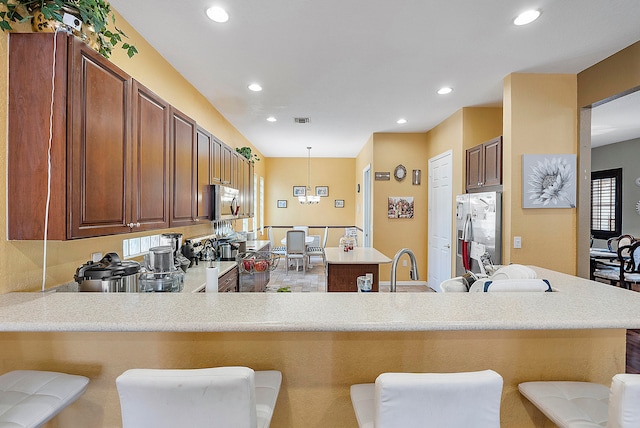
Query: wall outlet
[[96, 257], [517, 242], [404, 263]]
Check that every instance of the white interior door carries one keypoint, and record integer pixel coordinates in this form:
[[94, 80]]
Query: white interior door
[[439, 218], [366, 203]]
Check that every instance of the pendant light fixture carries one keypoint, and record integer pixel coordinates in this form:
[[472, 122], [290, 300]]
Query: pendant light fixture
[[308, 199]]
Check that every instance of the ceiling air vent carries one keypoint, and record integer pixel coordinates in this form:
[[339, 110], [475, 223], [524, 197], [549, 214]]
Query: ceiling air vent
[[301, 120]]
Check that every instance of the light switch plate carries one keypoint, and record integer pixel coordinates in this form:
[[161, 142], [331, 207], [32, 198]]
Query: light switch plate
[[517, 242]]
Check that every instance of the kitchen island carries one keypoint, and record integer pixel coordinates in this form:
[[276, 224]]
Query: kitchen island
[[322, 342], [343, 267]]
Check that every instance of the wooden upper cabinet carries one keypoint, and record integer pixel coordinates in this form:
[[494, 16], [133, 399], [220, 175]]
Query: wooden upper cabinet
[[203, 175], [183, 161], [216, 161], [30, 59], [150, 160], [99, 106], [227, 170], [484, 165]]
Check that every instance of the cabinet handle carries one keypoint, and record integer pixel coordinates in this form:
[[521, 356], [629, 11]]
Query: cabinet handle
[[138, 224], [130, 225]]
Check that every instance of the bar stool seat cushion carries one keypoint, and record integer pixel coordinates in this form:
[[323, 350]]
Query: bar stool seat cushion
[[569, 404], [412, 400], [30, 398]]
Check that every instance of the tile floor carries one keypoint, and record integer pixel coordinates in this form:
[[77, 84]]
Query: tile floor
[[313, 281]]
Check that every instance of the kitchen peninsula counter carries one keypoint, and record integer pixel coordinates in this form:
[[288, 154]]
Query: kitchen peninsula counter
[[343, 267], [577, 332]]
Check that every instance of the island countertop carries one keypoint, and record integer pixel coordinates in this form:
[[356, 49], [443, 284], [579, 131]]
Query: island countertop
[[359, 255], [576, 304]]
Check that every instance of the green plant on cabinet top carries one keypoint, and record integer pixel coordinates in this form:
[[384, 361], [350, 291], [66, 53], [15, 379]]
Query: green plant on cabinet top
[[246, 152], [95, 14]]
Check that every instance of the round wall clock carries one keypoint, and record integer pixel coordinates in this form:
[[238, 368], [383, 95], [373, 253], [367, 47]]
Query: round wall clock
[[400, 173], [638, 181]]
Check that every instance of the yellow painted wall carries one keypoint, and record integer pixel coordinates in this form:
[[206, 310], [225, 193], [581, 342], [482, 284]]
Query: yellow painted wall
[[21, 261], [540, 117], [318, 368], [389, 151], [480, 124], [284, 173]]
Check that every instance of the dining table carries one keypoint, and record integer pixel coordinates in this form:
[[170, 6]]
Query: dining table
[[307, 240]]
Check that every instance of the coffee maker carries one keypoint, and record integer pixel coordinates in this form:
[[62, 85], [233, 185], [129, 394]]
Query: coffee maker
[[174, 240]]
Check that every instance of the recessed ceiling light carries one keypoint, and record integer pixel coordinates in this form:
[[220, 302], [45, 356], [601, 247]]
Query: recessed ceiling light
[[527, 17], [444, 91], [255, 87], [401, 121], [271, 119], [217, 14]]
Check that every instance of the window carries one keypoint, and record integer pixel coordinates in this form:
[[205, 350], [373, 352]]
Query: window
[[606, 203]]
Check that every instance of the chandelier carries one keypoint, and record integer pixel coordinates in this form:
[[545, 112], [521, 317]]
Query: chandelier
[[308, 198]]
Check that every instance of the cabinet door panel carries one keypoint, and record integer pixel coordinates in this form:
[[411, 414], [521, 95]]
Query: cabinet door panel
[[203, 188], [492, 162], [99, 145], [183, 159], [226, 165], [150, 205], [216, 161], [474, 167]]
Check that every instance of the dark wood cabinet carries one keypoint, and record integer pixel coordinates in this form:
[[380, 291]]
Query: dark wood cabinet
[[216, 161], [183, 161], [204, 141], [121, 158], [228, 282], [150, 160], [484, 165]]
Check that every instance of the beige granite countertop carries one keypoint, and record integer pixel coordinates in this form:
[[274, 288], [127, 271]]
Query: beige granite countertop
[[576, 304], [357, 256]]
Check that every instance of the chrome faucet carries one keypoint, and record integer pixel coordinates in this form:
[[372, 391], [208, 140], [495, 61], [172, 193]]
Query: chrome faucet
[[394, 265]]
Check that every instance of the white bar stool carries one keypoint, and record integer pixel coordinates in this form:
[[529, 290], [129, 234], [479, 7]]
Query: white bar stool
[[416, 400], [194, 398], [587, 404], [30, 398]]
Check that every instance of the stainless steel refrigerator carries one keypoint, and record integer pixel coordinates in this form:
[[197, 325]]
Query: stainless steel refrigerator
[[478, 230]]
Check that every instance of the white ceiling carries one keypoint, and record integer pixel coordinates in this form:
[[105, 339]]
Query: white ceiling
[[356, 66]]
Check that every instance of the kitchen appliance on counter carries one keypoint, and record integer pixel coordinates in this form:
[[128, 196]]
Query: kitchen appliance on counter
[[161, 274], [109, 275], [191, 250], [227, 250], [478, 231], [174, 240]]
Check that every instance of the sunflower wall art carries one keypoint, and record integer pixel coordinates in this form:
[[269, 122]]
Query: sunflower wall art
[[549, 181]]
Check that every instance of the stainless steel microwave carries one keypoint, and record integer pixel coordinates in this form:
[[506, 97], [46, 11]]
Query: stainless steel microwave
[[225, 202]]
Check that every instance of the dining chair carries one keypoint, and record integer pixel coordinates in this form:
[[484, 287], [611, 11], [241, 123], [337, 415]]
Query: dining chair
[[198, 398], [296, 249], [30, 398], [317, 250], [275, 249], [412, 400], [586, 404], [625, 271], [304, 228]]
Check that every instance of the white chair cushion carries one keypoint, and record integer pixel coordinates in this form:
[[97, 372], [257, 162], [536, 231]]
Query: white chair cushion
[[407, 400], [624, 411], [220, 396], [30, 398], [569, 404]]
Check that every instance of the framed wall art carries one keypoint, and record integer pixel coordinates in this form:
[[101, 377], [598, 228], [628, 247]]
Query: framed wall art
[[299, 191], [400, 207], [322, 191], [549, 181], [282, 203], [338, 203]]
